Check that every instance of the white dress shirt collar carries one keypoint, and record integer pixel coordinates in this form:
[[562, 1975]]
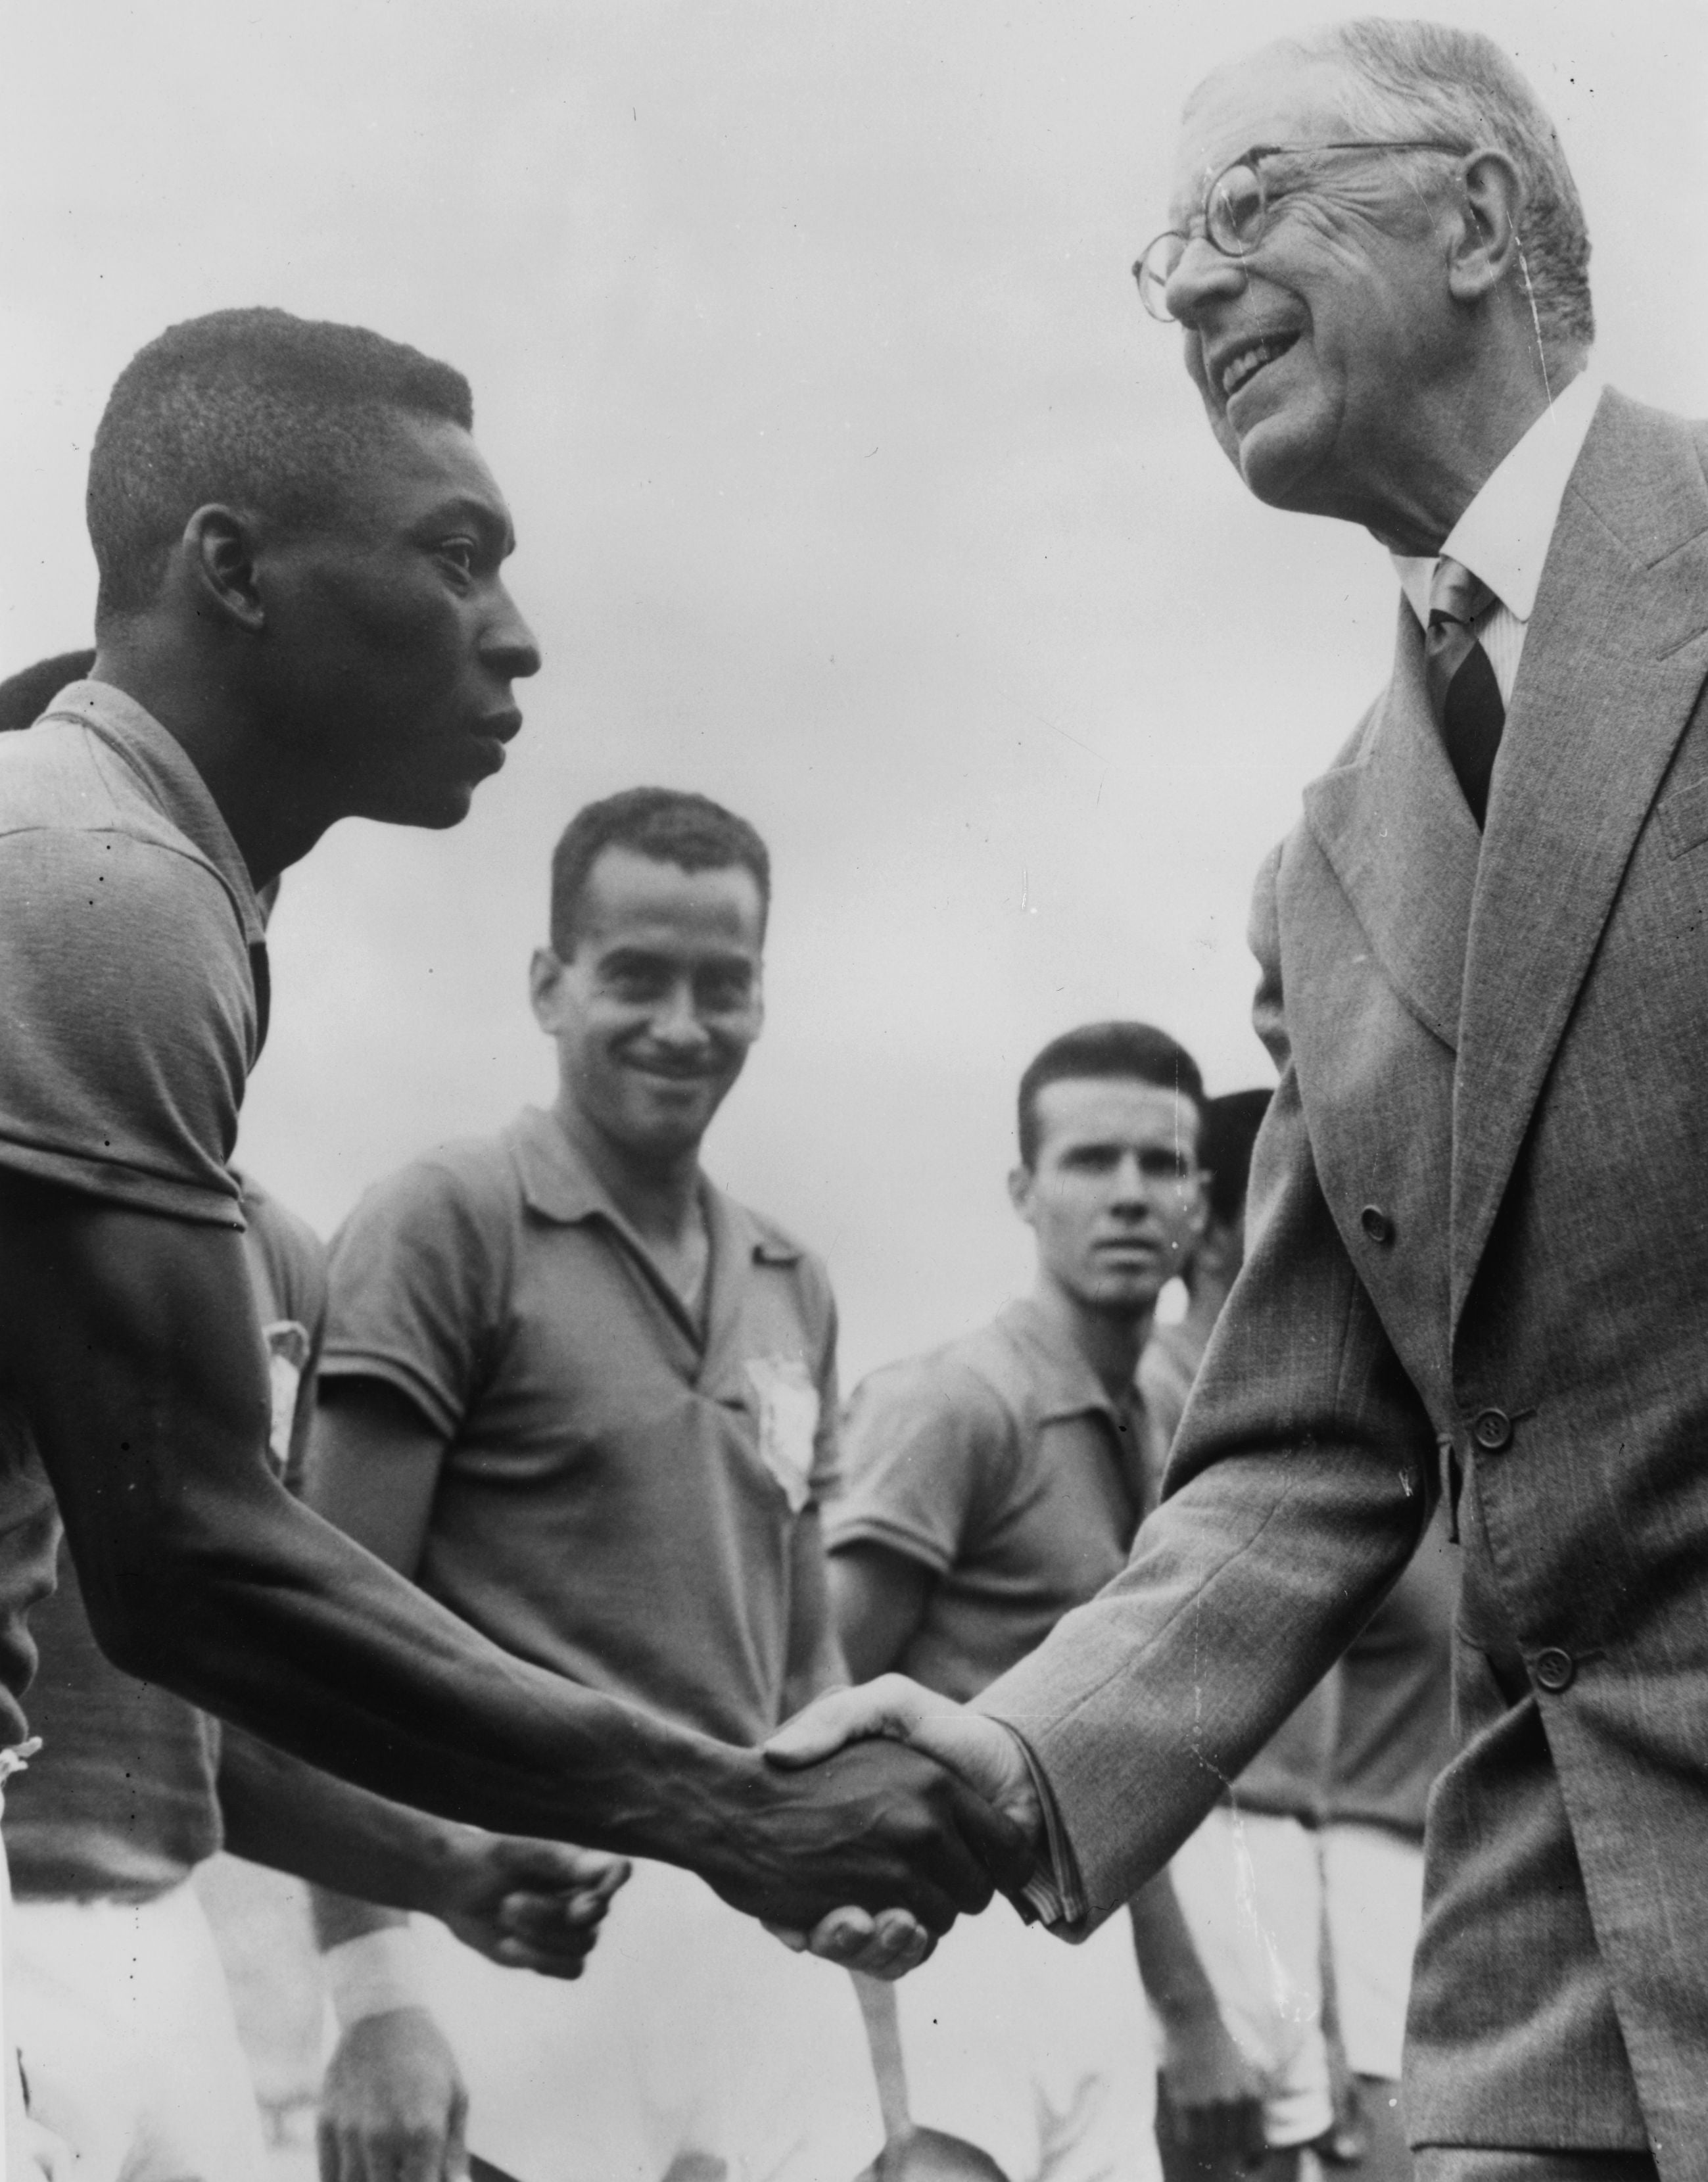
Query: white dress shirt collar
[[1503, 536]]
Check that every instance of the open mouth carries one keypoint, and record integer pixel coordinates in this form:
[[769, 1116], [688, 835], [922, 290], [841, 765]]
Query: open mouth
[[1246, 362]]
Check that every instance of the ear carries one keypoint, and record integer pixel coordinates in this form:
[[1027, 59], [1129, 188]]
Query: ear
[[1483, 246], [1020, 1192], [220, 551], [545, 981]]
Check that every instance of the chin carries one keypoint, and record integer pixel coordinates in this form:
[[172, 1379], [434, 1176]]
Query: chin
[[666, 1136], [1122, 1294], [433, 811], [1281, 466]]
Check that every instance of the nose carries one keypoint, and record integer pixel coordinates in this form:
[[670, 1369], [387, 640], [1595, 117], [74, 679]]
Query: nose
[[508, 645], [675, 1019], [1131, 1183], [1203, 275]]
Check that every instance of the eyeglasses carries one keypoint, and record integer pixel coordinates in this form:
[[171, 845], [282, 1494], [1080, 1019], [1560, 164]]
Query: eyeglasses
[[1238, 206]]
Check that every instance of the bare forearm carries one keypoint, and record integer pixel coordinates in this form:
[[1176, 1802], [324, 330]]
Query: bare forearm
[[1169, 1965], [878, 1596], [131, 1343], [341, 1917], [815, 1656], [297, 1636], [292, 1817]]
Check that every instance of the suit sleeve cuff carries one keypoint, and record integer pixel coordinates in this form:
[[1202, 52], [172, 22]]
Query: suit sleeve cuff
[[1053, 1895]]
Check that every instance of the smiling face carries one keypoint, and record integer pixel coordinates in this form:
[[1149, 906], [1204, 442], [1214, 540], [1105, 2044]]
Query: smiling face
[[655, 1010], [1114, 1194], [391, 642], [1314, 353]]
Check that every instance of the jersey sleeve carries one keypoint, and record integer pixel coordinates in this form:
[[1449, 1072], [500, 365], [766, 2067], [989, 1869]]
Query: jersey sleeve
[[921, 1450], [416, 1282], [128, 1017]]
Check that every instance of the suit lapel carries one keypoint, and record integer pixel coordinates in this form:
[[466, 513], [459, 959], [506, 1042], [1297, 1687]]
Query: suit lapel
[[1614, 660], [1393, 826]]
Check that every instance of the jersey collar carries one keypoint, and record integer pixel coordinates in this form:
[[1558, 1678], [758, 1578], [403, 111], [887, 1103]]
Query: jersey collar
[[163, 765]]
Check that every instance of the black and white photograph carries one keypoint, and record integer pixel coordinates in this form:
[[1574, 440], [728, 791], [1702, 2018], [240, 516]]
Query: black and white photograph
[[854, 1092]]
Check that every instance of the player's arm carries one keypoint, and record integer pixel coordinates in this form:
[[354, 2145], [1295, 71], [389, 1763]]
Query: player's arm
[[1214, 2100], [879, 1596], [130, 1339], [815, 1660], [920, 1453], [534, 1904], [373, 1469]]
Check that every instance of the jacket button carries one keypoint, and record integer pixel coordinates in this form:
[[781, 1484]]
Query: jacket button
[[1376, 1224], [1554, 1669], [1492, 1430]]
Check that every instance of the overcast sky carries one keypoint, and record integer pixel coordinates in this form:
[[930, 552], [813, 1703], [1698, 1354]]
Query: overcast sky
[[851, 487]]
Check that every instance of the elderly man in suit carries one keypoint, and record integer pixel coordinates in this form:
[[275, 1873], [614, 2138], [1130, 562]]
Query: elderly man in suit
[[1479, 1262]]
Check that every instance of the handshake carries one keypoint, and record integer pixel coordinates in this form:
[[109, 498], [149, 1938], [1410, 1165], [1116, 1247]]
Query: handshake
[[863, 1828], [885, 1811]]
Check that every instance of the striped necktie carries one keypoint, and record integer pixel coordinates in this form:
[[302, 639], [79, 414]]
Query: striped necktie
[[1463, 693]]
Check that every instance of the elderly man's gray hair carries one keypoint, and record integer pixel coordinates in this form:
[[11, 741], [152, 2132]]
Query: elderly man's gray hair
[[1408, 79]]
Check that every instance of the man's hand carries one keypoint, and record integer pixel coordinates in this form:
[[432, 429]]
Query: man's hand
[[982, 1753], [532, 1905], [393, 2105], [985, 1755], [1210, 2100], [829, 1820]]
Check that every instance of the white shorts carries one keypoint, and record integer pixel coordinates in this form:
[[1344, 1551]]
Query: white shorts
[[691, 2032], [121, 2013], [15, 2154], [1374, 1883], [1038, 2052], [1250, 1889]]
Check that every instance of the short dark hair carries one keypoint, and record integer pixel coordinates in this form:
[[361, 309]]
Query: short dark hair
[[26, 695], [1231, 1124], [670, 825], [1135, 1051], [255, 408]]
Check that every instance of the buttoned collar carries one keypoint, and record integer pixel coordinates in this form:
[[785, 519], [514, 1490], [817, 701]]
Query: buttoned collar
[[1064, 1383], [559, 1185], [165, 767], [1503, 536]]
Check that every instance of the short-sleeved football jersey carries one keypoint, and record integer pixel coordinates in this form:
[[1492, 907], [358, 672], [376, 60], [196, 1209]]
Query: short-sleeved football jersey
[[619, 1489], [1000, 1464], [132, 1005]]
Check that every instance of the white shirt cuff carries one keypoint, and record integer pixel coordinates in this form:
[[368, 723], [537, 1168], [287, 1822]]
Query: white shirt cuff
[[1052, 1895]]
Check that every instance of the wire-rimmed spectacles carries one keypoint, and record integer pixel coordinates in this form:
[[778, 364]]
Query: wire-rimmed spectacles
[[1239, 205]]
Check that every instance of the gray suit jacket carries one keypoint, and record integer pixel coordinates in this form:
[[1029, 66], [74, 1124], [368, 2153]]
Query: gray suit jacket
[[1478, 1253]]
